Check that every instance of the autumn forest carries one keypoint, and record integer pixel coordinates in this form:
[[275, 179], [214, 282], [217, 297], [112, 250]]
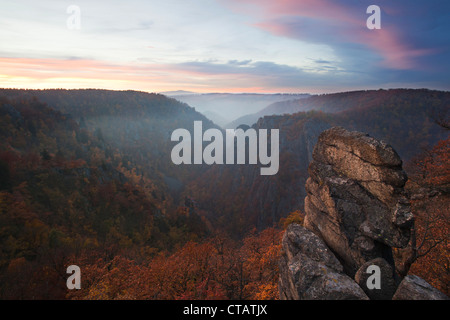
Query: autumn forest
[[86, 179]]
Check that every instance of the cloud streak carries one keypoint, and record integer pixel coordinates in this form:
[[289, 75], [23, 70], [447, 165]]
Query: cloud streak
[[234, 75], [340, 23]]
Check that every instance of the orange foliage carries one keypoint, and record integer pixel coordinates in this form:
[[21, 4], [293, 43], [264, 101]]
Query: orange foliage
[[430, 179], [433, 229], [294, 217], [215, 269]]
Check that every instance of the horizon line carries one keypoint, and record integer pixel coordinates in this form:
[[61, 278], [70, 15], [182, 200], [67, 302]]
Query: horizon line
[[186, 92]]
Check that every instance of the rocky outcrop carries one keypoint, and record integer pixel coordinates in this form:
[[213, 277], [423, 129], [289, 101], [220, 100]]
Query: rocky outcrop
[[356, 211], [355, 199]]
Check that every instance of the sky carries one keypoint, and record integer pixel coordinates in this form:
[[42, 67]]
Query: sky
[[262, 46]]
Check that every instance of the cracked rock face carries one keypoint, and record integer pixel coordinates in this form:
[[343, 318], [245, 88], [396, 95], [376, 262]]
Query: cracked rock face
[[356, 212], [355, 199]]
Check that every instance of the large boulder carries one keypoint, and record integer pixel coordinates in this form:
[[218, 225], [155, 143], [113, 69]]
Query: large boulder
[[355, 199], [310, 271], [415, 288]]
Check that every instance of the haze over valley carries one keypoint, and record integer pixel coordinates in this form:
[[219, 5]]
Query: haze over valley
[[224, 108]]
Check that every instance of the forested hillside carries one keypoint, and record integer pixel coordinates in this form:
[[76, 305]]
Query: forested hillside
[[86, 181], [422, 100], [86, 178]]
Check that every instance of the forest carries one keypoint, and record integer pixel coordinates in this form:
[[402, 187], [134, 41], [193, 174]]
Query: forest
[[86, 178]]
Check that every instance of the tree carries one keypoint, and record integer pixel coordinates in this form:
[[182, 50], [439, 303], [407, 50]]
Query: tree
[[294, 217], [428, 253]]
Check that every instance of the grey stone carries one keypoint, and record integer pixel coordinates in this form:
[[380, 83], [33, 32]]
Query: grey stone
[[415, 288], [355, 199], [310, 271]]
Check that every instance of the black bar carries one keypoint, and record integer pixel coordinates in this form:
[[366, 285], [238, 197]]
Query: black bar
[[228, 309]]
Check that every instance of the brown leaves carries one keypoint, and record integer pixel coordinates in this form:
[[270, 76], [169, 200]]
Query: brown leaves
[[429, 182], [218, 268]]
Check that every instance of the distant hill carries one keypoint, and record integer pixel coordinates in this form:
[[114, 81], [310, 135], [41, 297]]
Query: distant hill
[[330, 103], [230, 106], [177, 93], [216, 118]]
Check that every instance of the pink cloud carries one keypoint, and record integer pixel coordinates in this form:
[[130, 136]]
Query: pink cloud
[[332, 23], [45, 68], [396, 53]]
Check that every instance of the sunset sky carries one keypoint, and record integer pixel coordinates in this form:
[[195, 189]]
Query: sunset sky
[[312, 46]]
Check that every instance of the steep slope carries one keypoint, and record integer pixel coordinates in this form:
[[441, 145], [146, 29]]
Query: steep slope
[[98, 136], [338, 102], [65, 195], [137, 124]]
